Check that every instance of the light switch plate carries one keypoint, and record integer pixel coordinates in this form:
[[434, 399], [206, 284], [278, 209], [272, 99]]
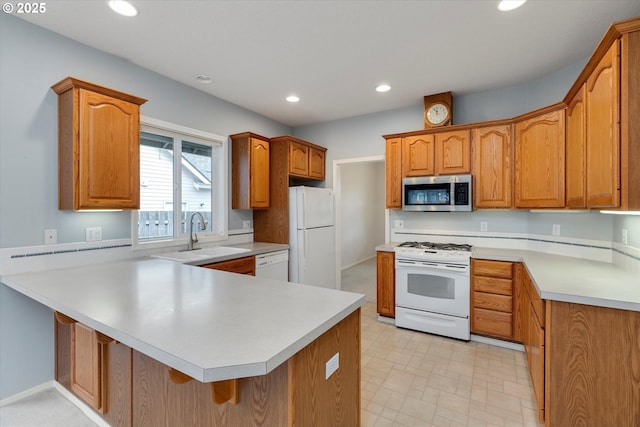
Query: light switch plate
[[483, 226], [246, 224], [332, 365], [93, 234], [625, 236], [555, 230], [398, 223]]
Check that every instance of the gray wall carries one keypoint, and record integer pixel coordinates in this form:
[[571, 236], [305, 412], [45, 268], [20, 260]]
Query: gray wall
[[32, 60], [361, 211]]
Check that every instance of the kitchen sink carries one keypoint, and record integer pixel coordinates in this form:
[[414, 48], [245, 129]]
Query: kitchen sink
[[201, 254]]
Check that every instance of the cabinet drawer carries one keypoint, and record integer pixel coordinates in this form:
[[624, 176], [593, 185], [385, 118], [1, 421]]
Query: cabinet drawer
[[502, 303], [483, 267], [491, 322], [246, 265], [492, 285]]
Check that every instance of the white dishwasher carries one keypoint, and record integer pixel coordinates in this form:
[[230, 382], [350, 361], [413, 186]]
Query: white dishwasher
[[273, 265]]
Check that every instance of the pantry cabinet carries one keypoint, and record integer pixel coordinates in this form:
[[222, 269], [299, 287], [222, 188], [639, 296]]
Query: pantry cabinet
[[293, 161], [249, 171], [393, 173], [539, 159], [492, 166], [244, 265], [453, 152], [386, 283], [98, 147], [492, 298]]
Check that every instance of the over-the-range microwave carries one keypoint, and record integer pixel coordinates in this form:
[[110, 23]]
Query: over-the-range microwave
[[437, 193]]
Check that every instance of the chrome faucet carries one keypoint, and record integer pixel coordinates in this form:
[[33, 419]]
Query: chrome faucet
[[203, 226]]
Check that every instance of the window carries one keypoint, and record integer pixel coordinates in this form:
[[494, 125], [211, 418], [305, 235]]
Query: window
[[182, 171]]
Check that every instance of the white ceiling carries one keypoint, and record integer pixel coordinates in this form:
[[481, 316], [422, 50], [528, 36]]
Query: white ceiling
[[332, 54]]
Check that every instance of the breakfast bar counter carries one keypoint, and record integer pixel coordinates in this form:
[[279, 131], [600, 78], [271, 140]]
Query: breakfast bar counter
[[212, 326]]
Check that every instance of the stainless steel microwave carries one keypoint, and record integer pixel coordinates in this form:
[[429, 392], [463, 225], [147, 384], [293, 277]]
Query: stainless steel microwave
[[437, 193]]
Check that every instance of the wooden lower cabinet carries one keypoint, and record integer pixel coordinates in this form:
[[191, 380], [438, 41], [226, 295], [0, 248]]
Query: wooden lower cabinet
[[492, 299], [145, 392], [386, 283], [244, 265]]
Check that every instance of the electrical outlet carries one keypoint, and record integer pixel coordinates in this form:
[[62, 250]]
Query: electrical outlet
[[484, 226], [624, 236], [332, 365], [398, 223], [93, 234], [555, 230], [246, 224], [51, 236]]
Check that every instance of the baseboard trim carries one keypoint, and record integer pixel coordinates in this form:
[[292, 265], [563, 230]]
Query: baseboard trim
[[497, 343], [24, 394], [385, 319], [90, 413]]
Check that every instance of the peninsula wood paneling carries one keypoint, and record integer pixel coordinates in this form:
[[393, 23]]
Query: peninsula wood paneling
[[593, 370], [336, 401], [158, 401]]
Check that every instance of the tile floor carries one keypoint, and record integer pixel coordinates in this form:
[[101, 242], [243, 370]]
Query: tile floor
[[415, 379]]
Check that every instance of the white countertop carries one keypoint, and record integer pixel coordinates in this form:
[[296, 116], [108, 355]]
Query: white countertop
[[209, 324], [568, 279]]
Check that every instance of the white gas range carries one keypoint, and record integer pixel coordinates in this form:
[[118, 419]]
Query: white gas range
[[432, 288]]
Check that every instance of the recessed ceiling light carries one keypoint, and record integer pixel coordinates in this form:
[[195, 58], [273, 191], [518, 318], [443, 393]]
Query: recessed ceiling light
[[293, 98], [383, 88], [203, 78], [123, 7], [506, 5]]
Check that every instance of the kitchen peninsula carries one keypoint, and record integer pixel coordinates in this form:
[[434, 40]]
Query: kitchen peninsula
[[176, 344]]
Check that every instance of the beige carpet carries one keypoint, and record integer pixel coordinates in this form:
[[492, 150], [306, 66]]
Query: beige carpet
[[46, 408]]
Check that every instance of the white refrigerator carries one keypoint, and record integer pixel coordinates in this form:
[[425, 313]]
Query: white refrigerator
[[312, 256]]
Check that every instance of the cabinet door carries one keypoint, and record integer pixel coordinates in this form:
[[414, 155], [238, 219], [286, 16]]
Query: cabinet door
[[576, 151], [386, 283], [492, 167], [87, 379], [245, 265], [259, 174], [393, 173], [298, 159], [316, 163], [536, 360], [539, 175], [108, 152], [603, 131], [453, 152], [418, 155]]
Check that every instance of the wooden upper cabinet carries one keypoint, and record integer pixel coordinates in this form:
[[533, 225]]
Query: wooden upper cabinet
[[603, 131], [492, 166], [539, 171], [316, 163], [98, 147], [249, 171], [418, 154], [453, 152], [393, 173], [576, 152], [298, 159]]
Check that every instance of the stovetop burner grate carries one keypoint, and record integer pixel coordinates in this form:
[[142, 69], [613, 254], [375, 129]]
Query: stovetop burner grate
[[436, 246]]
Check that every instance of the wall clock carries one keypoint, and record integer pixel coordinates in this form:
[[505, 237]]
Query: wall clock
[[438, 110]]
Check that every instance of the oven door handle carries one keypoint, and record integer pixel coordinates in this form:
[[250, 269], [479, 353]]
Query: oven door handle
[[432, 265]]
